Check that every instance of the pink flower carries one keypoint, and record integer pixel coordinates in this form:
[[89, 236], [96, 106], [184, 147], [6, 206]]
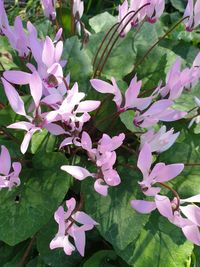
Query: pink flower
[[159, 174], [49, 8], [16, 35], [73, 111], [195, 119], [8, 178], [123, 11], [38, 121], [159, 111], [132, 101], [154, 10], [193, 12], [49, 64], [174, 211], [176, 80], [104, 157], [3, 17], [134, 6], [78, 9], [160, 141], [67, 223]]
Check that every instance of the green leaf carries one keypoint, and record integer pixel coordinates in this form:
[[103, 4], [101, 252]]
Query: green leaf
[[105, 258], [79, 63], [102, 22], [180, 5], [185, 150], [160, 244], [9, 255], [121, 59], [56, 257], [36, 262], [25, 209], [42, 141], [119, 224], [127, 119]]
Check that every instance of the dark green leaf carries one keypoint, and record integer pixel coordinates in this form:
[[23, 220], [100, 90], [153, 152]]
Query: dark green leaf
[[25, 209]]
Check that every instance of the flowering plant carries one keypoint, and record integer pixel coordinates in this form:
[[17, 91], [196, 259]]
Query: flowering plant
[[99, 125]]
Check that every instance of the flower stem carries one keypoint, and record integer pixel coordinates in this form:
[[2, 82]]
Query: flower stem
[[112, 36], [175, 194], [72, 17], [22, 262], [102, 43], [156, 43], [116, 39]]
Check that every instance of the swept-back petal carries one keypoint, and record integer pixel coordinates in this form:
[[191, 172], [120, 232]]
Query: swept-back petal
[[77, 172]]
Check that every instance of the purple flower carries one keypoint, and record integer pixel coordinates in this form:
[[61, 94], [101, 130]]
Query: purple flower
[[49, 64], [67, 223], [8, 178], [193, 12], [104, 158], [123, 11], [4, 24], [196, 118], [160, 141], [159, 111], [49, 8], [154, 10], [159, 174], [78, 9], [37, 121], [185, 217], [132, 101]]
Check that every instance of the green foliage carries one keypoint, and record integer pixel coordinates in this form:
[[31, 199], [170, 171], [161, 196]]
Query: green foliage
[[25, 209], [123, 237]]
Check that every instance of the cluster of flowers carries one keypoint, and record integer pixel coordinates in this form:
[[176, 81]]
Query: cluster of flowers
[[131, 15], [62, 110]]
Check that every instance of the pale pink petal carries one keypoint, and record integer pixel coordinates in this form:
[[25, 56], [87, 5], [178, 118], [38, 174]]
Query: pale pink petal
[[77, 172], [58, 35], [36, 88], [5, 161], [169, 172], [111, 177], [57, 242], [58, 51], [67, 141], [158, 107], [27, 139], [68, 247], [192, 199], [192, 212], [86, 141], [14, 98], [100, 187], [163, 205], [52, 99], [83, 218], [17, 76], [192, 234], [102, 87], [143, 206], [152, 191], [79, 240], [54, 129], [71, 204], [17, 167], [87, 106], [172, 115], [145, 160], [23, 125], [48, 52]]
